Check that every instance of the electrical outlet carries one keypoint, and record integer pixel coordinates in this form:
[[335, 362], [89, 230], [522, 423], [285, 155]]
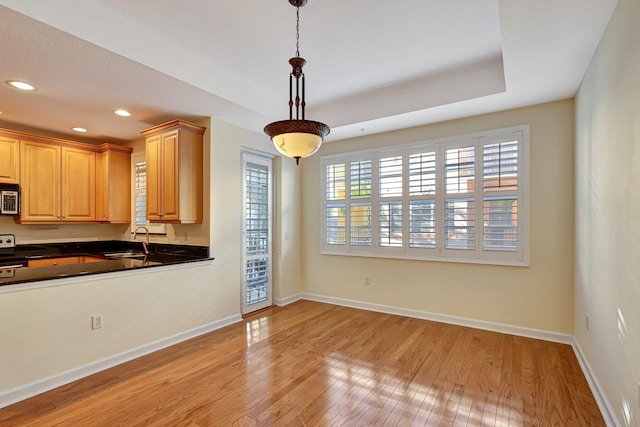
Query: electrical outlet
[[587, 321], [97, 321], [7, 241], [367, 280]]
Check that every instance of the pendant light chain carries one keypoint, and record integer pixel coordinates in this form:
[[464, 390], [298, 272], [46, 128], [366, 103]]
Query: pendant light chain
[[298, 31]]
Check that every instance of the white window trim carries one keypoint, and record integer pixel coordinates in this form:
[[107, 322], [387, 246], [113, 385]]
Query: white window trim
[[477, 256]]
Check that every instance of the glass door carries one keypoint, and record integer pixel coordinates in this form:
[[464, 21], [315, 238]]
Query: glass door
[[257, 283]]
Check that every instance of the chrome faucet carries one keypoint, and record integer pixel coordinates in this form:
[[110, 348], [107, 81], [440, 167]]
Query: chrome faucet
[[145, 245]]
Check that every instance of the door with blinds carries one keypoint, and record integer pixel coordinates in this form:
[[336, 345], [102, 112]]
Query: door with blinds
[[257, 283]]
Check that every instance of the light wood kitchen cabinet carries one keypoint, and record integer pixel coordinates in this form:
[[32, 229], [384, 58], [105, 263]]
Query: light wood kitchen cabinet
[[78, 185], [40, 181], [63, 260], [113, 184], [52, 262], [174, 153], [58, 183], [86, 259], [9, 166], [66, 181]]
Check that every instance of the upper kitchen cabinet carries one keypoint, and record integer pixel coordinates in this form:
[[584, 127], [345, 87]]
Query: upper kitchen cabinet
[[174, 173], [58, 182], [9, 153], [113, 184], [40, 178], [78, 184]]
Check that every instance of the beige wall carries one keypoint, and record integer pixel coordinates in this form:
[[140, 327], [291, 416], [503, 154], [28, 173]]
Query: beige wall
[[226, 209], [45, 332], [607, 262], [539, 296]]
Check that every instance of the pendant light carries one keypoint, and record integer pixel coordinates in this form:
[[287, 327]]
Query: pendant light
[[297, 137]]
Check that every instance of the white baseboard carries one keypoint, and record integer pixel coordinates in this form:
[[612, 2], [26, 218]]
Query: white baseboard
[[444, 318], [606, 409], [280, 302], [26, 391]]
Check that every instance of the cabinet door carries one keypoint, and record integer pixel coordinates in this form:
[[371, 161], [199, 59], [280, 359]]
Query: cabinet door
[[113, 187], [119, 187], [9, 165], [102, 186], [154, 185], [40, 180], [170, 176], [78, 185]]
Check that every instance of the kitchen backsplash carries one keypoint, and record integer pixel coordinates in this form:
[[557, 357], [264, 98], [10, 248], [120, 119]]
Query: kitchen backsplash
[[194, 235], [26, 234]]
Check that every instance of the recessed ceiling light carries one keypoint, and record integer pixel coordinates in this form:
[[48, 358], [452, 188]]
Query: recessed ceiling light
[[81, 130], [123, 113], [20, 85]]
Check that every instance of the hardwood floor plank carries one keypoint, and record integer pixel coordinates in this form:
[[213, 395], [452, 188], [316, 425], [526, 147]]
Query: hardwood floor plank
[[314, 364]]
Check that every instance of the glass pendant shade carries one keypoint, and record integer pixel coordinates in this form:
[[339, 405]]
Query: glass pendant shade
[[297, 138]]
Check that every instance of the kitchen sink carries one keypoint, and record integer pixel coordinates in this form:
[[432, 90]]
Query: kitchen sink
[[127, 254]]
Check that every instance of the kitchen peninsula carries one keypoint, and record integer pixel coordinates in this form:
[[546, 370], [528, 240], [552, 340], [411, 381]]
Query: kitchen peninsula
[[31, 263]]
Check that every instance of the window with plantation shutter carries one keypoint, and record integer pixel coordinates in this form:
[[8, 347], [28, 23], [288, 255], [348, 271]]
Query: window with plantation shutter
[[500, 196], [422, 199], [139, 193], [140, 217], [390, 172], [462, 199], [360, 236], [360, 179], [390, 191], [390, 224], [459, 200], [335, 209], [360, 220]]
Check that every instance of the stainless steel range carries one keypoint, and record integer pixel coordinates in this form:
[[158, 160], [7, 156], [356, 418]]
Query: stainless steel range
[[8, 263]]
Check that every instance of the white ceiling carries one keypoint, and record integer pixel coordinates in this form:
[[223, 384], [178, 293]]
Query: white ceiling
[[372, 65]]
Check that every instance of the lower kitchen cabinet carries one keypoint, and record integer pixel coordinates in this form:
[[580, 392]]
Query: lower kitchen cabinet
[[52, 262]]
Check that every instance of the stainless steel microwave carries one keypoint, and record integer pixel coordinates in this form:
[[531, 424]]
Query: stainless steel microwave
[[9, 199]]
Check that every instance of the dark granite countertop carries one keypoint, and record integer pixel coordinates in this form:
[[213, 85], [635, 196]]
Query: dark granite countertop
[[159, 255]]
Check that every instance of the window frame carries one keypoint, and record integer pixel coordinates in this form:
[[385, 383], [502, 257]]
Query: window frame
[[479, 254]]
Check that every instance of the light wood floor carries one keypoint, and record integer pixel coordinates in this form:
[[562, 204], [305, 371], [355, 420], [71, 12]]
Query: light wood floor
[[313, 364]]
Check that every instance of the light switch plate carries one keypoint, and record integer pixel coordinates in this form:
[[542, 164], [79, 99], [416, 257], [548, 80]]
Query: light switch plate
[[7, 241]]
